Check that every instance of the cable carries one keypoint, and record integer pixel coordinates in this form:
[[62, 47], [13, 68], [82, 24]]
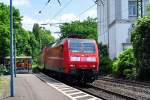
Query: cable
[[86, 10], [47, 4], [58, 12], [44, 6]]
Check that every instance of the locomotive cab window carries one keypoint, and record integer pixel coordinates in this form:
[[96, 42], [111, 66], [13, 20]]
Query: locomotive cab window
[[88, 47], [75, 47], [85, 47]]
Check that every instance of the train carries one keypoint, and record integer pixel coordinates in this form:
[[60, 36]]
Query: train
[[74, 58]]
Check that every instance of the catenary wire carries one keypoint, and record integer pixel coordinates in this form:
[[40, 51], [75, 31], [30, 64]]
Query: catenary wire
[[59, 11]]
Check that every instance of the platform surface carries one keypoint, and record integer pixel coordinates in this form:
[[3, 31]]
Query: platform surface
[[29, 87], [42, 87]]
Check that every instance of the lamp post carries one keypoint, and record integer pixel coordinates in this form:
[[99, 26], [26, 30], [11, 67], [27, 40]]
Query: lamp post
[[11, 52]]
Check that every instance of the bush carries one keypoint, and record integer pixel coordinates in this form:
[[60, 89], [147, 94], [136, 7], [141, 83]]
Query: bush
[[104, 60], [36, 68], [3, 70], [124, 66], [140, 38]]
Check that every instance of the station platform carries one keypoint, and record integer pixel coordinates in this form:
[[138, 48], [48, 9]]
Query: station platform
[[42, 87]]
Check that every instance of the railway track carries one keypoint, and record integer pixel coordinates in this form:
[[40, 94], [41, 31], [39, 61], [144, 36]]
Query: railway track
[[104, 93], [136, 90], [109, 89], [127, 82]]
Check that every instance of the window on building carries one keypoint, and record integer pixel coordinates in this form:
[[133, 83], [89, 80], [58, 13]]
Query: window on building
[[132, 8]]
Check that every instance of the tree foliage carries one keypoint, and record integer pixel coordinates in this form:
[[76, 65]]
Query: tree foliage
[[27, 43], [40, 38], [86, 28], [124, 66], [141, 43], [104, 59], [4, 29]]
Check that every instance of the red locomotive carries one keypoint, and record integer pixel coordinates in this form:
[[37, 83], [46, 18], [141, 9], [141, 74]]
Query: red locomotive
[[74, 58]]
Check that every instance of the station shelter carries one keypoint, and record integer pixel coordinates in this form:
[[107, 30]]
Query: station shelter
[[22, 62]]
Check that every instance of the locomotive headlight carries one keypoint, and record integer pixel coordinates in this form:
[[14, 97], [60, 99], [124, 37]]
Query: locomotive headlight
[[72, 65], [93, 66], [91, 59], [75, 58]]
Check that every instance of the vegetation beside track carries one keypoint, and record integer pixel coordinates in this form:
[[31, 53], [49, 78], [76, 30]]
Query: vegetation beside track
[[36, 68], [28, 43], [141, 43], [124, 66], [135, 63]]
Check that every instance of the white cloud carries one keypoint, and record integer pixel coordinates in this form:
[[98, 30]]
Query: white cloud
[[28, 22], [21, 2], [17, 2]]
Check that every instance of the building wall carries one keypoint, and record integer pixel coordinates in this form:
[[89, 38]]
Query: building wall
[[112, 11], [124, 9], [112, 44], [102, 22], [121, 36], [118, 35], [115, 23]]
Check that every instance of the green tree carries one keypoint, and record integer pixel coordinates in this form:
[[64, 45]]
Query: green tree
[[141, 43], [104, 59], [27, 43], [86, 28], [23, 46], [40, 38], [4, 29]]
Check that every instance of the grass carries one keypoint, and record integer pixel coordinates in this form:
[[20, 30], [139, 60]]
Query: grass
[[36, 68]]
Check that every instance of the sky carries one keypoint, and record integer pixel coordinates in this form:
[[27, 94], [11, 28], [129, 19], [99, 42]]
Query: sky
[[69, 10]]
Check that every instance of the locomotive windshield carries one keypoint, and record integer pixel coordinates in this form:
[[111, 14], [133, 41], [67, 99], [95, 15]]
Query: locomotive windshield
[[85, 47]]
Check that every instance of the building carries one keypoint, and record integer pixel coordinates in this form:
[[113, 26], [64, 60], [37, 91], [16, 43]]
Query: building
[[115, 21]]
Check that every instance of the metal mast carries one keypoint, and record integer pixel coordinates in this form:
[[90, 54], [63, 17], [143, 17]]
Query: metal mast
[[11, 52], [139, 8]]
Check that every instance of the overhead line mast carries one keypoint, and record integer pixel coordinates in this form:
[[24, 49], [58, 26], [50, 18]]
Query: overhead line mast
[[139, 8]]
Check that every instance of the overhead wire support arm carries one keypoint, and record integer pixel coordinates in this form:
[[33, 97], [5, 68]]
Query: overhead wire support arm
[[47, 4], [102, 2], [51, 24]]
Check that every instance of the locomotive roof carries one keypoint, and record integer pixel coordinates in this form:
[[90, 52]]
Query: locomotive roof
[[86, 40], [60, 42]]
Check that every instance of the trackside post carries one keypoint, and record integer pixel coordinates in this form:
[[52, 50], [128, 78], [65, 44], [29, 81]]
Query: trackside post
[[11, 52]]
